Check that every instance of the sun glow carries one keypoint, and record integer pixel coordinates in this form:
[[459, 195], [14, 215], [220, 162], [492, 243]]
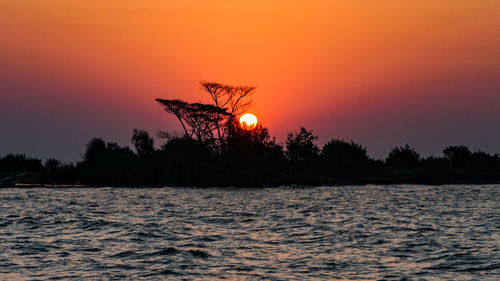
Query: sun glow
[[248, 120]]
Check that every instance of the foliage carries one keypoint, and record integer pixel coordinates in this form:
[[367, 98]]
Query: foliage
[[187, 162], [253, 158], [300, 146], [143, 143], [339, 158], [108, 163], [214, 150], [485, 162], [198, 120], [211, 123], [302, 154], [436, 168], [459, 156], [403, 157], [17, 163]]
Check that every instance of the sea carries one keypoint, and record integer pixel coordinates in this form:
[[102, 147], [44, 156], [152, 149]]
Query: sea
[[372, 232]]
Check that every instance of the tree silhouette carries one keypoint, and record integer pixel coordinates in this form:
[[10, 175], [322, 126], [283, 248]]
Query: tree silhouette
[[143, 143], [302, 153], [252, 157], [59, 172], [403, 157], [177, 108], [203, 120], [344, 159], [210, 123], [215, 150], [300, 145], [459, 156], [17, 163], [188, 162], [485, 162], [233, 99], [108, 163], [436, 168], [198, 120]]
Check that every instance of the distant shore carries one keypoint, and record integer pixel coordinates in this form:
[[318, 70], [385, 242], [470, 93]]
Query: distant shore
[[249, 158], [292, 186], [216, 149]]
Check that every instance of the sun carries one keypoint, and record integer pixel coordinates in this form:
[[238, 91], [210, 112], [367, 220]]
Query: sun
[[248, 120]]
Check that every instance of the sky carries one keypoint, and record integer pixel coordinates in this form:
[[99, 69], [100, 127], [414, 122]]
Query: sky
[[381, 73]]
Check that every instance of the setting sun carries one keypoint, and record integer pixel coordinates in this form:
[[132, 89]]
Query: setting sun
[[248, 120]]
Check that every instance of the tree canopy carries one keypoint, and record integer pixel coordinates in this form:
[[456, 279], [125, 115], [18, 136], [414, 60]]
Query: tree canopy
[[211, 123]]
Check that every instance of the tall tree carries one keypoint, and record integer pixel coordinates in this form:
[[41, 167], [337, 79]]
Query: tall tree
[[211, 122], [233, 99], [177, 108], [197, 119]]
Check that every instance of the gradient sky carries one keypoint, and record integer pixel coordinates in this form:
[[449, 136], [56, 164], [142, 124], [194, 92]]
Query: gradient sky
[[382, 73]]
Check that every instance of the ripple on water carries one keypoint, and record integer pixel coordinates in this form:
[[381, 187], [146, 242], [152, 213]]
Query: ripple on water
[[365, 232]]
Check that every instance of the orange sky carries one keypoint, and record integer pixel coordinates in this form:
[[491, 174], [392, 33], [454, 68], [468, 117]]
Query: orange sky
[[378, 72]]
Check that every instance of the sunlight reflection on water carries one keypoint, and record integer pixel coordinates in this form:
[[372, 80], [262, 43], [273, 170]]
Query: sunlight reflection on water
[[367, 232]]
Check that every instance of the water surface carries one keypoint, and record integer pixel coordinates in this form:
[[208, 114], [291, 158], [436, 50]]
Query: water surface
[[349, 232]]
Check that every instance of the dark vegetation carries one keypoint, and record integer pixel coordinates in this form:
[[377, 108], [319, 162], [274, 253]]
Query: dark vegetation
[[214, 150]]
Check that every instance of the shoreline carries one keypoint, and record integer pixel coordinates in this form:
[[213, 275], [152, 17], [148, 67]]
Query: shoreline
[[289, 186]]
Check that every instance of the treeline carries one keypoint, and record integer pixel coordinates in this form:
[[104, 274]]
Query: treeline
[[215, 150], [252, 158]]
